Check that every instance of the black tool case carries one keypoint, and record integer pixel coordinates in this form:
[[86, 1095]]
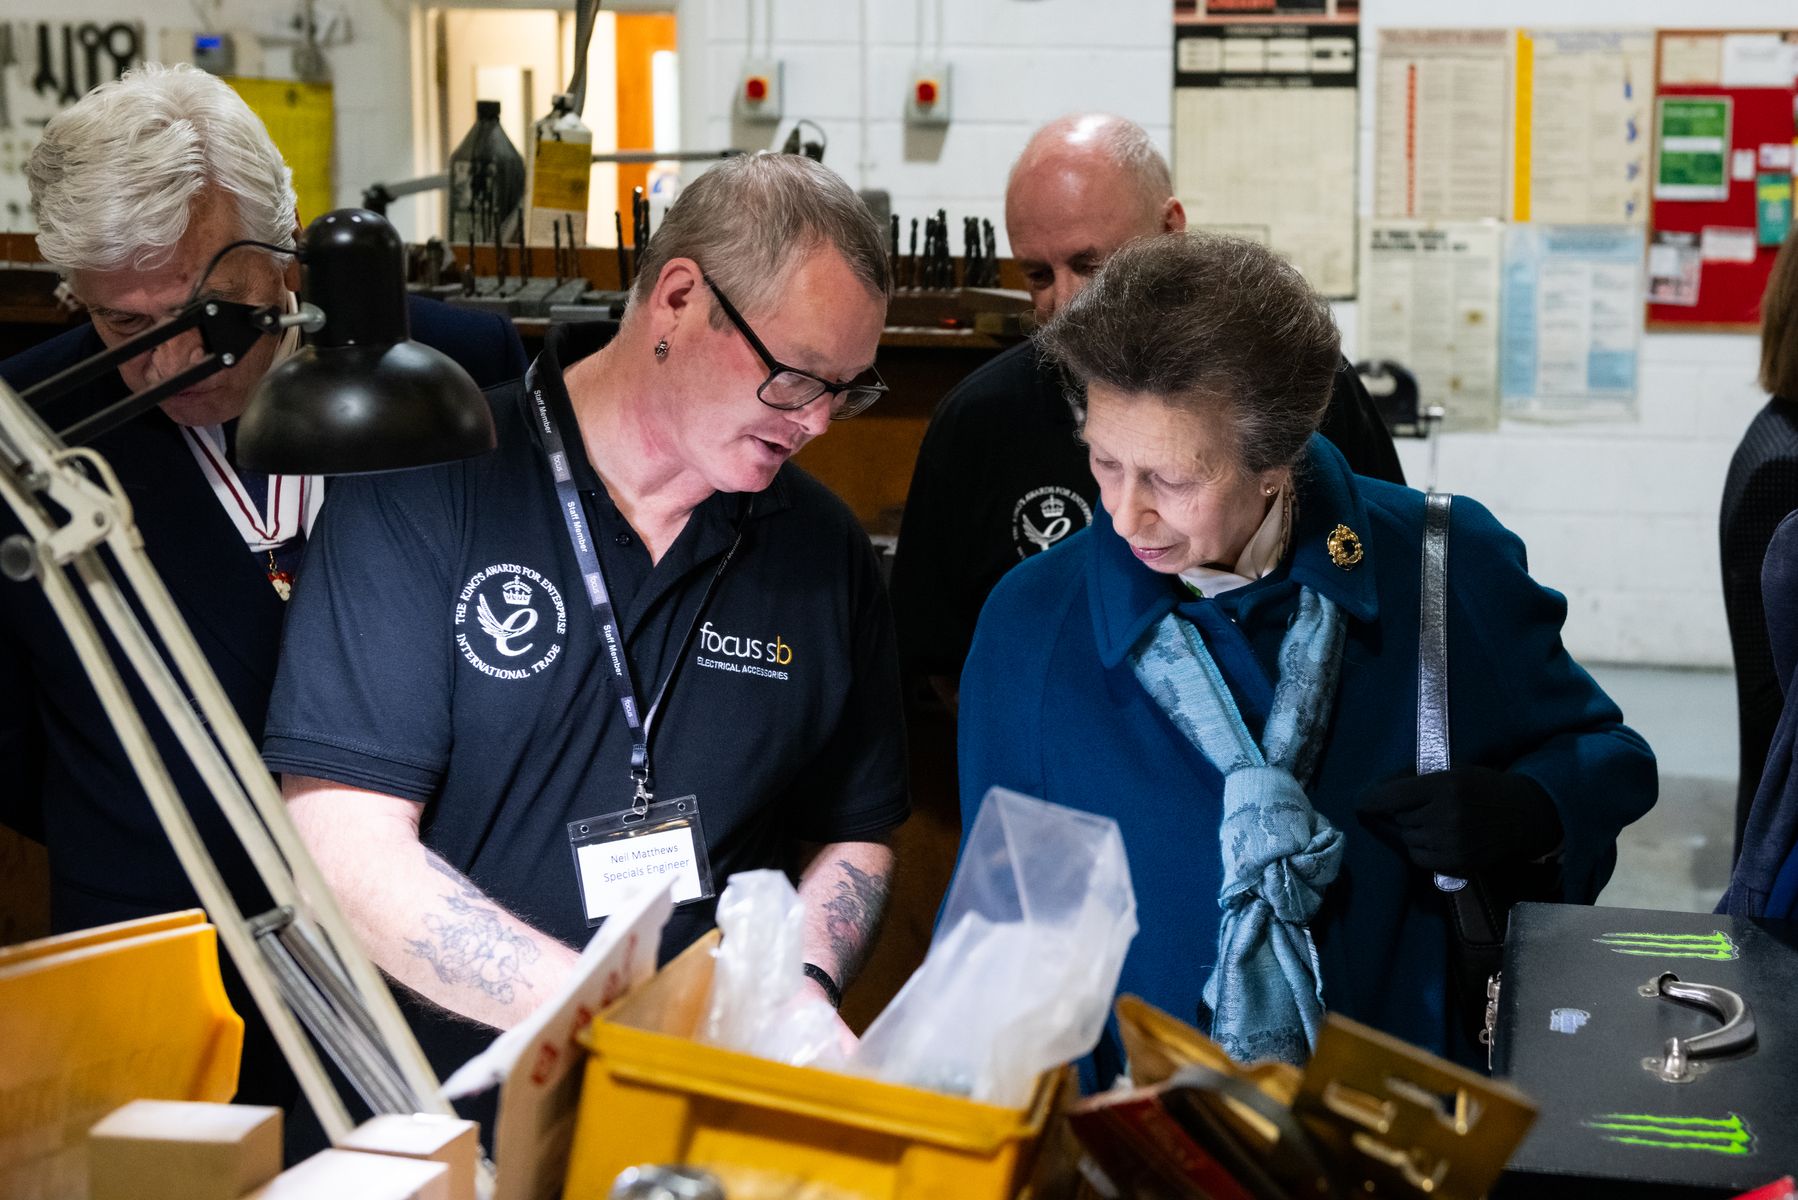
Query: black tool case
[[1589, 1005]]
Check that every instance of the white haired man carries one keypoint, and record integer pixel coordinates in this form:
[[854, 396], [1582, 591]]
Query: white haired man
[[135, 188], [1001, 475], [635, 607]]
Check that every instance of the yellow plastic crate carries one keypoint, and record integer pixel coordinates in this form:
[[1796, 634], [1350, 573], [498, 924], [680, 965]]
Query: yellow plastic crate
[[654, 1095]]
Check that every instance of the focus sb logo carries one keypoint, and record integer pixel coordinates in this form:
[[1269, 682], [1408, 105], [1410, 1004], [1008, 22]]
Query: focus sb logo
[[744, 655]]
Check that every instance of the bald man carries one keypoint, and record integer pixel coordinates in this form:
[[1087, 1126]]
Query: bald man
[[1000, 475]]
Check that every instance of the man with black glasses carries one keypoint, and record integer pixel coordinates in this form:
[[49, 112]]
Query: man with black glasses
[[633, 616]]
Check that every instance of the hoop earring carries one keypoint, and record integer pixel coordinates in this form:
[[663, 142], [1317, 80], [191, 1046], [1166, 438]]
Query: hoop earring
[[662, 350]]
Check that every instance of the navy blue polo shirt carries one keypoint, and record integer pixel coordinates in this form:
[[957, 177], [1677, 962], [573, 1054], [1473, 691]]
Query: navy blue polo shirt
[[442, 649]]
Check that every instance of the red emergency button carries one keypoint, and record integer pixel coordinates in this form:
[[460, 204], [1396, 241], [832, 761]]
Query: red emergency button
[[927, 92], [755, 89]]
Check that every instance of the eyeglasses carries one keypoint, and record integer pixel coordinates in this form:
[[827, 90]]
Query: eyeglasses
[[789, 388]]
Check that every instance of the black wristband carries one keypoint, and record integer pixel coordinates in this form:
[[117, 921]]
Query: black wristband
[[832, 992]]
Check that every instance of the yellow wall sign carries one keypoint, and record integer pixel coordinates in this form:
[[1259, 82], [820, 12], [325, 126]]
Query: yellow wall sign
[[301, 121]]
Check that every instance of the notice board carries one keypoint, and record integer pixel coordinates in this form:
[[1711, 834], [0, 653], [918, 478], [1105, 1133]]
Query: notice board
[[1721, 184]]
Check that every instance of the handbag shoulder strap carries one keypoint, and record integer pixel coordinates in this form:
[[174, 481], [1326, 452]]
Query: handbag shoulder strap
[[1432, 639]]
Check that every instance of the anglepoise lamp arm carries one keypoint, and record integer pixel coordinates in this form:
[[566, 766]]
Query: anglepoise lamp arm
[[301, 960], [227, 330]]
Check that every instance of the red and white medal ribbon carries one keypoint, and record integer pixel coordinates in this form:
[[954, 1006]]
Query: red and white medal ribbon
[[291, 507], [293, 500]]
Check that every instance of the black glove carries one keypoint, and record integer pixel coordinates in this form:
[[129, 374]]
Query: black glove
[[1467, 819]]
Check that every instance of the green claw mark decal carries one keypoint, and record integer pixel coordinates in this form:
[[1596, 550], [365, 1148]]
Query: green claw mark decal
[[1703, 1134], [1715, 946]]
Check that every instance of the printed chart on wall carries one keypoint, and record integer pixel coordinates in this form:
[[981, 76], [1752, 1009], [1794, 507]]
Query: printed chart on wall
[[1263, 111], [1724, 123], [1439, 133], [1570, 330], [1580, 148], [1430, 300]]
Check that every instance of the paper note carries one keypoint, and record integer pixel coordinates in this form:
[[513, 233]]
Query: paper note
[[1674, 268], [1439, 129], [1722, 243], [1429, 301], [1572, 315], [1691, 60], [1755, 60], [1261, 114]]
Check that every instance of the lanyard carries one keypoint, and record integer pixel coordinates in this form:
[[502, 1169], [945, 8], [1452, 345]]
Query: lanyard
[[605, 616]]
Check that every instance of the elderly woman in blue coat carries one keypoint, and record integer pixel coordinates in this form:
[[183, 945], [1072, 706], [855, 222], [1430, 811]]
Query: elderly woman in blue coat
[[1226, 662]]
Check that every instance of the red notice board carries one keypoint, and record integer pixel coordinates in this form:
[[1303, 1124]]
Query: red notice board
[[1729, 292]]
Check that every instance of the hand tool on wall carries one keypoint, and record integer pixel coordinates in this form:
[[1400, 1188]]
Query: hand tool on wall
[[91, 39], [70, 92], [624, 264], [44, 82], [8, 57], [123, 45], [913, 280], [945, 254], [992, 254]]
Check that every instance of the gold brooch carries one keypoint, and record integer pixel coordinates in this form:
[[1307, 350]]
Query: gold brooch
[[1345, 547]]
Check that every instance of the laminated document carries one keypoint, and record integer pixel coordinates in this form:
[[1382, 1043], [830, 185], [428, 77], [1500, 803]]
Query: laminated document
[[1429, 301], [1572, 321]]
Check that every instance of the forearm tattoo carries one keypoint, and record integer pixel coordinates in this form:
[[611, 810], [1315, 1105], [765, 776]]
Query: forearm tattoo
[[472, 946], [851, 917]]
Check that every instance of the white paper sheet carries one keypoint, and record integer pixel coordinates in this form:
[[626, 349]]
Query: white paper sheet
[[1756, 60], [1429, 301]]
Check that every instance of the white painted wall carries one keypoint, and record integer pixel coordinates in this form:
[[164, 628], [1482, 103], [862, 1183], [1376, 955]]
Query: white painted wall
[[848, 65]]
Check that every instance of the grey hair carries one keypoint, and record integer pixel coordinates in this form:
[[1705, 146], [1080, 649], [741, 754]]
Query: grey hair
[[1212, 324], [1118, 140], [750, 219], [114, 180]]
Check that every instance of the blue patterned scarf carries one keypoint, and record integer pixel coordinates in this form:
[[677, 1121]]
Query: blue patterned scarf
[[1265, 993]]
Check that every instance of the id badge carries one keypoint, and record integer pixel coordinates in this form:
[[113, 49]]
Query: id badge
[[619, 852]]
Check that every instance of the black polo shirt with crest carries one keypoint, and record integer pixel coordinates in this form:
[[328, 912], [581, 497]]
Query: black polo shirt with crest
[[441, 648]]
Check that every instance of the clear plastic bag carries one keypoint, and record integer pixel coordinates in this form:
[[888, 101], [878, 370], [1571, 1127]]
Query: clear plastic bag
[[760, 1004], [1026, 958]]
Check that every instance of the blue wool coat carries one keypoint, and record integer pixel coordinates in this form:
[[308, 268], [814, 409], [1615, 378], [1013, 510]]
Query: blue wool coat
[[1051, 707]]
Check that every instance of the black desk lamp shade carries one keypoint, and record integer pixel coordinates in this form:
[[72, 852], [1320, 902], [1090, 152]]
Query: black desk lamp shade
[[361, 396]]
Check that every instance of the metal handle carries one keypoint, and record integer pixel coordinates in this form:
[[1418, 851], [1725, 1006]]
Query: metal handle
[[1679, 1064]]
